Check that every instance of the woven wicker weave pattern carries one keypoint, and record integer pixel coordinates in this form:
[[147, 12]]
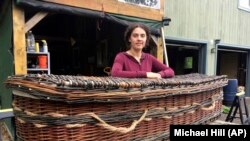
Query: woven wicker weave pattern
[[53, 107], [89, 132]]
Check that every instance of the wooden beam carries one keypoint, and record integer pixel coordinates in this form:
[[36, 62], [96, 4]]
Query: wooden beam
[[34, 20], [164, 46], [160, 49], [115, 7], [20, 59]]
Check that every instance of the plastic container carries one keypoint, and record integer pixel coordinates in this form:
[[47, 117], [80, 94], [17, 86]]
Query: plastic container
[[30, 42], [230, 91], [45, 46], [37, 47], [42, 61]]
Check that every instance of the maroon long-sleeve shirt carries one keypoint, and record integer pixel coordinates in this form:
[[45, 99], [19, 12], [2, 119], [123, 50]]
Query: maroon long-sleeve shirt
[[127, 66]]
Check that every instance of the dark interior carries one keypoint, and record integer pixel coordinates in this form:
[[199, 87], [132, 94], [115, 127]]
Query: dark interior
[[233, 64], [183, 59], [79, 45]]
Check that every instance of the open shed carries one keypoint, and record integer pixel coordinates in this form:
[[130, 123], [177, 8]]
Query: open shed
[[83, 36]]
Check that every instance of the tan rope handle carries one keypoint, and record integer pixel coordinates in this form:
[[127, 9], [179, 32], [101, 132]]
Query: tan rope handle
[[196, 104], [214, 97], [209, 108], [117, 129]]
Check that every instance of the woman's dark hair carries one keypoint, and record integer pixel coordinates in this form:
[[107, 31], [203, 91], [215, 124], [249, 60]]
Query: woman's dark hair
[[131, 28]]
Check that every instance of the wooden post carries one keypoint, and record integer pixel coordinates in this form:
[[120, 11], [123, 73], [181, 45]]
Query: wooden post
[[159, 50], [20, 58], [164, 46]]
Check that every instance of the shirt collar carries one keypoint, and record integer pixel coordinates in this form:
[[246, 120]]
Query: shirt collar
[[143, 55]]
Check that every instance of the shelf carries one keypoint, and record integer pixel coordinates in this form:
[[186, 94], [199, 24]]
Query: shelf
[[32, 57], [37, 69], [37, 53]]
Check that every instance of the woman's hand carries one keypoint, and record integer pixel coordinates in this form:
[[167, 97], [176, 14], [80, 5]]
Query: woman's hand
[[153, 75]]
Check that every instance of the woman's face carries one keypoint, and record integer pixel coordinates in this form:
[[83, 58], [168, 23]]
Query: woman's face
[[138, 39]]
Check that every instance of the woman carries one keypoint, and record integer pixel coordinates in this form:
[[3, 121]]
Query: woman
[[134, 63]]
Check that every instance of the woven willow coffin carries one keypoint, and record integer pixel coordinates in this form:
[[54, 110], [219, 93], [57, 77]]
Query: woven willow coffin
[[81, 108]]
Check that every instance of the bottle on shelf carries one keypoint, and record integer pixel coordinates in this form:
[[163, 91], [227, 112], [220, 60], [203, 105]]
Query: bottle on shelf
[[45, 46], [30, 41], [37, 47]]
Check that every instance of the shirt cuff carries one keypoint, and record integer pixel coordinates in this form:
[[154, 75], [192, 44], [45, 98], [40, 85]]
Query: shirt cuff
[[141, 74], [162, 73]]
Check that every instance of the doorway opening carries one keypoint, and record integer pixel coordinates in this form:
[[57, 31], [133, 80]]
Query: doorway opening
[[232, 63], [186, 56]]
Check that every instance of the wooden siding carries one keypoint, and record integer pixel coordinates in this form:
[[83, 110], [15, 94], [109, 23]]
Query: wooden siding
[[208, 19], [113, 6]]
